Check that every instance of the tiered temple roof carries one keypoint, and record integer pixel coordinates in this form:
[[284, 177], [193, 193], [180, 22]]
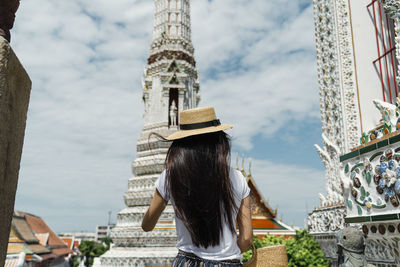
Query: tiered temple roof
[[30, 235], [264, 218]]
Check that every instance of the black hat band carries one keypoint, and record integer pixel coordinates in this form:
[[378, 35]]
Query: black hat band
[[200, 125]]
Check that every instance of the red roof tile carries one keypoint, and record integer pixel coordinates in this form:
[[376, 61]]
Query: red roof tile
[[39, 226], [23, 230], [42, 238], [15, 248], [69, 241], [38, 249], [48, 256], [62, 251]]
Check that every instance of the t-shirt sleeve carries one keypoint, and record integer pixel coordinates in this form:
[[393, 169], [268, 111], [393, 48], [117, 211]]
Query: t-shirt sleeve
[[246, 188], [243, 189], [161, 186]]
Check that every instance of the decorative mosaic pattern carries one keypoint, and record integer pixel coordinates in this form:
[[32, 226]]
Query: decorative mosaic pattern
[[372, 182], [328, 245], [382, 242], [330, 157], [371, 186], [392, 8], [136, 237], [330, 101], [371, 173], [370, 189], [326, 220], [328, 72], [352, 120], [139, 257], [339, 129]]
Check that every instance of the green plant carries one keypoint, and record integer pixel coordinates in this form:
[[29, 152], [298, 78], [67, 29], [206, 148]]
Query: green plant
[[302, 249], [91, 249]]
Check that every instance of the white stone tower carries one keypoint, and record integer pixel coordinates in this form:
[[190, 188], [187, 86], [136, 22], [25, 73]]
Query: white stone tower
[[170, 86]]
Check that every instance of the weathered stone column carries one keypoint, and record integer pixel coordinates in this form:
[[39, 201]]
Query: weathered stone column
[[15, 87]]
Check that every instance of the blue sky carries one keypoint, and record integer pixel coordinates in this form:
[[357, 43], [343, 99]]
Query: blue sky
[[257, 67]]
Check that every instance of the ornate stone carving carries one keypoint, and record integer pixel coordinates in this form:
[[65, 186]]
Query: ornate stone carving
[[339, 115], [328, 244], [351, 246], [382, 248], [7, 17], [392, 8], [326, 220], [330, 157], [138, 258], [371, 182], [365, 192], [328, 72], [352, 120], [169, 55]]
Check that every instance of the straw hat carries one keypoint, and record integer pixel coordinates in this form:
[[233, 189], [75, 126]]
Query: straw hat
[[198, 121]]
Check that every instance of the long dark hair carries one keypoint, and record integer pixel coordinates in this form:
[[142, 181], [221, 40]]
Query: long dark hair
[[198, 177]]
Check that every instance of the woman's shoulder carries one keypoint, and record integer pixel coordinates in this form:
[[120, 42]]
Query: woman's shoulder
[[239, 183], [236, 174], [236, 177]]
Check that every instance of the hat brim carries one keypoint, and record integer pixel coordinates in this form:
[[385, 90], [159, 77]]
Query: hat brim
[[186, 133]]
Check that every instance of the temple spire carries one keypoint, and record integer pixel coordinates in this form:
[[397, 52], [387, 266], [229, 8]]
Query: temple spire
[[172, 20]]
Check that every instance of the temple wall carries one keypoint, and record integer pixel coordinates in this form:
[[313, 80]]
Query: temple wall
[[15, 87], [365, 52]]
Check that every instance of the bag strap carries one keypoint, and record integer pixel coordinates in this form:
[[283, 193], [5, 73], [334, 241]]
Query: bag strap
[[253, 258]]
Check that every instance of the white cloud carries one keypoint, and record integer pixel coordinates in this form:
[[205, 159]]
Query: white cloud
[[272, 48], [293, 188], [85, 58]]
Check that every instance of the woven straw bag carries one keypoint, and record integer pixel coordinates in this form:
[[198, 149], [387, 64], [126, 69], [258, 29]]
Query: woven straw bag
[[273, 256]]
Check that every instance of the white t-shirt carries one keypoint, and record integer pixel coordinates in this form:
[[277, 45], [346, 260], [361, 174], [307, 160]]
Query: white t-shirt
[[227, 248]]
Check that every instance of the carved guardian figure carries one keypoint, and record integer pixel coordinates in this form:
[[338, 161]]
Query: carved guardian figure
[[8, 8], [351, 246]]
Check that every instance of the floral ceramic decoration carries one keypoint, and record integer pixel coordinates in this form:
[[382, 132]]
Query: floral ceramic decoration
[[364, 138], [398, 124], [373, 135], [374, 182]]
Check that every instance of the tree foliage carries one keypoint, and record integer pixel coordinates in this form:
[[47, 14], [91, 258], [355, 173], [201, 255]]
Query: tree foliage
[[91, 249], [302, 249]]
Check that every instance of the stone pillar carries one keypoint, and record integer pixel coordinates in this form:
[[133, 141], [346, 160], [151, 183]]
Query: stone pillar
[[15, 87]]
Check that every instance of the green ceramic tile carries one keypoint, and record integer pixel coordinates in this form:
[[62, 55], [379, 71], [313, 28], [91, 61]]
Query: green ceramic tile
[[357, 219], [382, 143], [367, 149], [394, 139], [350, 155], [379, 206], [384, 217], [375, 155], [357, 165]]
